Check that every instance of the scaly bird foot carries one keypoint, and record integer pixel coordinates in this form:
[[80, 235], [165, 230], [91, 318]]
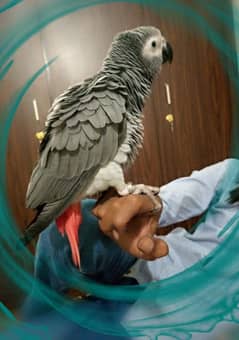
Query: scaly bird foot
[[137, 189]]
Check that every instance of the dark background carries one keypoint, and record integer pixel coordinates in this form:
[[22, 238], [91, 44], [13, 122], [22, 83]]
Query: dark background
[[200, 91]]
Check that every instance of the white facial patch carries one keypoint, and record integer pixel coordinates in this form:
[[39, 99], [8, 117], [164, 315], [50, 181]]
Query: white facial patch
[[154, 46]]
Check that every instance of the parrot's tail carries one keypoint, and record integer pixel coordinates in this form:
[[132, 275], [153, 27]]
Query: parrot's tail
[[69, 223], [35, 227], [46, 213]]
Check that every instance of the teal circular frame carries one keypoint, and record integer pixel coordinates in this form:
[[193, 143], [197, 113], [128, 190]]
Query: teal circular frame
[[212, 276]]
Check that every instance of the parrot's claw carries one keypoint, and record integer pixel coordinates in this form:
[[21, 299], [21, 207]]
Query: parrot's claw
[[148, 190], [127, 190], [137, 189]]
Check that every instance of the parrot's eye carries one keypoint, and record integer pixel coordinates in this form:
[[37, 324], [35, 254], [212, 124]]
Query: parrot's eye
[[154, 44]]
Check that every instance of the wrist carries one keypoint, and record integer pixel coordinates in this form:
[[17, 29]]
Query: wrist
[[151, 204]]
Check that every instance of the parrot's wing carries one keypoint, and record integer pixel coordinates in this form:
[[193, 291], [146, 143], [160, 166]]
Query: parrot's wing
[[82, 136]]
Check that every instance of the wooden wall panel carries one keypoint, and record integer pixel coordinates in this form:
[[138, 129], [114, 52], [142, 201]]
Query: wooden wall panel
[[22, 145]]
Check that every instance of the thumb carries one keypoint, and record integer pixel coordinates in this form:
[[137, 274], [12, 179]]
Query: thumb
[[161, 248]]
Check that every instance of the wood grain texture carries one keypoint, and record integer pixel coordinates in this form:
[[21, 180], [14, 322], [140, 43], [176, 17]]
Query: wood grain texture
[[22, 145]]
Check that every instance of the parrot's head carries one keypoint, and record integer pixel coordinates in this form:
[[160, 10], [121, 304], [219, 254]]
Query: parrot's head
[[143, 47]]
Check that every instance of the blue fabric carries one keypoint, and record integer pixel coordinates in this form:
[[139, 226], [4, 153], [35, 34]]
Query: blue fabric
[[53, 325], [101, 258]]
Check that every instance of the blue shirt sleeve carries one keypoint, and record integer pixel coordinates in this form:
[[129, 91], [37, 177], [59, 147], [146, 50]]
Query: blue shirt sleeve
[[182, 199]]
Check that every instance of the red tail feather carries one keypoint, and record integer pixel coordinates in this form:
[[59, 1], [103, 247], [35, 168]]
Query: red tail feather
[[69, 223]]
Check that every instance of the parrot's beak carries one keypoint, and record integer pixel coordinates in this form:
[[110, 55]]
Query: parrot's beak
[[167, 53]]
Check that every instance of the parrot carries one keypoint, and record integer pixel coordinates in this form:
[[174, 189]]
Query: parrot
[[93, 132]]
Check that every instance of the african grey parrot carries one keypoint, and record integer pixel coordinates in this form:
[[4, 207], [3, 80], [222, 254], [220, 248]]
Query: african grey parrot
[[93, 131]]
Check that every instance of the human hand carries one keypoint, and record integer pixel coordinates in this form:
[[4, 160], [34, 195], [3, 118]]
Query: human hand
[[128, 221]]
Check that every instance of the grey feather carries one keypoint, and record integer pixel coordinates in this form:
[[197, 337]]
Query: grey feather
[[114, 112], [87, 98], [85, 142], [105, 120], [88, 112], [105, 101], [97, 121], [91, 105], [75, 130], [90, 132], [73, 141], [63, 139], [101, 94], [73, 120], [54, 161]]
